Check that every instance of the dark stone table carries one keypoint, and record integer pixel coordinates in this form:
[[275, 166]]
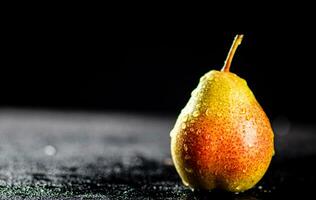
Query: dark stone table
[[73, 155]]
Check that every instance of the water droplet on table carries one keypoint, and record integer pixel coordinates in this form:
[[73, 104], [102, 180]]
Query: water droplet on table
[[50, 150]]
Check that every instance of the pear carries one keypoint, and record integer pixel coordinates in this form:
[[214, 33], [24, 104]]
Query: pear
[[222, 138]]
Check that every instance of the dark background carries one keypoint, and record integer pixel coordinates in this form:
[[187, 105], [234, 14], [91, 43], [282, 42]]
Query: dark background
[[79, 65], [127, 62]]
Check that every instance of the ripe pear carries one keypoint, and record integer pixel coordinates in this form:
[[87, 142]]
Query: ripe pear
[[222, 138]]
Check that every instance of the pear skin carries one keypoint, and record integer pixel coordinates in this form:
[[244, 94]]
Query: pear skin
[[222, 138]]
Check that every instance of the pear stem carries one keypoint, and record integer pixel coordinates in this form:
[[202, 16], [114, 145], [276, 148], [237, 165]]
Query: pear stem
[[231, 53]]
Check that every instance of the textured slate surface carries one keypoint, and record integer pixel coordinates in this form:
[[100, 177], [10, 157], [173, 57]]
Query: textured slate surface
[[55, 155]]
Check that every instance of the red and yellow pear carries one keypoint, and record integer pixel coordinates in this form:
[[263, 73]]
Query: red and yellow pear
[[222, 138]]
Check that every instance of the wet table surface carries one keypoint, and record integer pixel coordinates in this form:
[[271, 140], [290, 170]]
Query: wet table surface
[[73, 155]]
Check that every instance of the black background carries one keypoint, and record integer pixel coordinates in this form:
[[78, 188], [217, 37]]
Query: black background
[[86, 65], [94, 60]]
